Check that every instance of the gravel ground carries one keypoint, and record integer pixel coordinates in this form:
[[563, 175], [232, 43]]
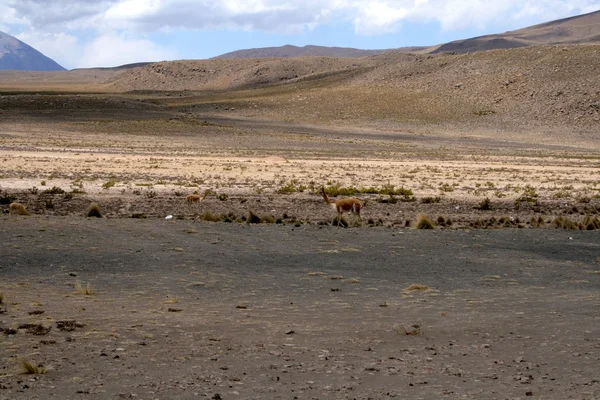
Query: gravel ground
[[184, 309]]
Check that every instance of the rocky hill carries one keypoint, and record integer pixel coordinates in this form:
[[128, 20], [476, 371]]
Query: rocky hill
[[16, 55], [508, 88], [581, 29], [307, 51]]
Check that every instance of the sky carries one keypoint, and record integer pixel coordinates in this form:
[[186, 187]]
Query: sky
[[106, 33]]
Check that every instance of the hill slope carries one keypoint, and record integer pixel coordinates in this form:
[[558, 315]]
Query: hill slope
[[509, 89], [581, 29], [16, 55], [307, 51]]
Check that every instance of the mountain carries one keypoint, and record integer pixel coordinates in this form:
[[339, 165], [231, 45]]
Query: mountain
[[16, 55], [289, 51], [581, 29]]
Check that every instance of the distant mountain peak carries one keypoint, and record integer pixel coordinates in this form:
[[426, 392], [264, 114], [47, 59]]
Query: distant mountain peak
[[289, 50], [17, 55]]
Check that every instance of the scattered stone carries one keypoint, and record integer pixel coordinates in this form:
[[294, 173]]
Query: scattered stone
[[68, 325], [8, 331], [170, 309], [36, 312], [36, 329], [290, 332]]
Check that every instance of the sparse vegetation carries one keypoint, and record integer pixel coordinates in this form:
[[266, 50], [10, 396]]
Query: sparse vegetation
[[109, 184], [387, 189], [416, 287], [413, 330], [252, 218], [94, 211], [431, 200], [423, 222], [54, 190], [30, 368], [209, 216], [485, 205], [86, 290]]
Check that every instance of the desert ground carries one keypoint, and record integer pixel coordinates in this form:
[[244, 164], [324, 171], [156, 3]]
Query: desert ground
[[253, 292]]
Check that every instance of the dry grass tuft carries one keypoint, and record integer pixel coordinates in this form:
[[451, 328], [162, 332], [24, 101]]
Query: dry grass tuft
[[416, 287], [591, 223], [87, 290], [413, 330], [564, 223], [267, 219], [31, 369], [94, 211], [252, 218], [209, 216], [424, 222]]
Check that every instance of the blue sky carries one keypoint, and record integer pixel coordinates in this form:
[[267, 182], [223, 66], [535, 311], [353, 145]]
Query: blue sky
[[88, 33]]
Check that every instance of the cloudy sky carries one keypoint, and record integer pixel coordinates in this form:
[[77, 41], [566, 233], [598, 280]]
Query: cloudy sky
[[86, 33]]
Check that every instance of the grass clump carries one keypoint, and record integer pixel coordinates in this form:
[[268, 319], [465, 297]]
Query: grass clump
[[291, 187], [267, 219], [30, 368], [6, 198], [413, 330], [109, 184], [209, 216], [252, 218], [94, 211], [590, 223], [343, 222], [485, 205], [424, 222], [85, 290], [387, 189], [431, 200], [529, 195], [564, 223], [416, 287], [54, 190]]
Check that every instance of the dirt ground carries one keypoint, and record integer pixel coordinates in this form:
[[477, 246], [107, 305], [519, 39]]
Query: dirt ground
[[186, 309], [494, 302]]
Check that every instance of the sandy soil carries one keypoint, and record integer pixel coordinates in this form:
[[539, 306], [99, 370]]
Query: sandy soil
[[183, 309]]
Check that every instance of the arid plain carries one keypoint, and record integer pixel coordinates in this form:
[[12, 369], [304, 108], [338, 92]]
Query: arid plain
[[499, 149]]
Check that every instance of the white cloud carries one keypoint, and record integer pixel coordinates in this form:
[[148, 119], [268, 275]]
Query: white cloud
[[106, 32], [368, 16], [61, 47], [107, 50], [111, 50], [383, 16]]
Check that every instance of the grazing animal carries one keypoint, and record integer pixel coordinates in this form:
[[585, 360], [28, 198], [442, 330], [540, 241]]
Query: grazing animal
[[193, 198], [196, 198], [349, 204], [17, 208]]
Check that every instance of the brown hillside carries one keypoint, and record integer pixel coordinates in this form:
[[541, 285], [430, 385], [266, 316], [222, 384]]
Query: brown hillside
[[546, 86], [581, 29], [295, 51], [223, 74]]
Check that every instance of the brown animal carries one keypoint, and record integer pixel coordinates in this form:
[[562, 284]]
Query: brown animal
[[349, 204], [17, 208], [193, 198], [196, 198]]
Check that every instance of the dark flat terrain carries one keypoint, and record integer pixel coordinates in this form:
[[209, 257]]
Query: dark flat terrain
[[183, 309]]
